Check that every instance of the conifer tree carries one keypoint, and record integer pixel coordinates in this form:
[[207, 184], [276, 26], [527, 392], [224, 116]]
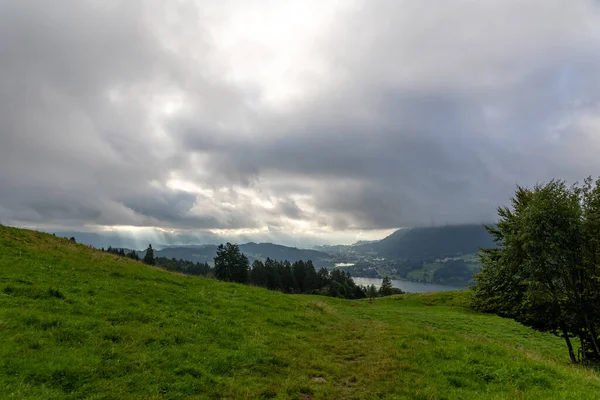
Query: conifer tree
[[230, 264], [386, 287], [149, 257]]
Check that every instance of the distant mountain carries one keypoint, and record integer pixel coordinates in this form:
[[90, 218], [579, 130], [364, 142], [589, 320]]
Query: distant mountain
[[201, 254], [334, 249], [254, 251], [99, 240], [361, 242], [405, 243], [434, 242], [337, 249], [279, 252]]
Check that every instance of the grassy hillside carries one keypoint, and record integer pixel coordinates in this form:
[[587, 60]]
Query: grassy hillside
[[77, 323]]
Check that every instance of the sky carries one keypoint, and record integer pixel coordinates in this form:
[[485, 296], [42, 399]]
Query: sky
[[301, 122]]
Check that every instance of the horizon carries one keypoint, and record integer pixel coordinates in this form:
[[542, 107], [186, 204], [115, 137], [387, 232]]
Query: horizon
[[140, 243]]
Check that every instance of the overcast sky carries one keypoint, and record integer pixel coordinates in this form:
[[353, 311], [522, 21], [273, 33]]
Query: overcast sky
[[295, 121]]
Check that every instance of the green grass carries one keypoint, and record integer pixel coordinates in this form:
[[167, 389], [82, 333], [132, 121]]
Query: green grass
[[77, 323]]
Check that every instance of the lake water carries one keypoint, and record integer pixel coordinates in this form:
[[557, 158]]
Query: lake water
[[407, 286]]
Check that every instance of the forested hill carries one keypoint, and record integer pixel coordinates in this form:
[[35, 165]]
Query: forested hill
[[254, 251], [422, 243]]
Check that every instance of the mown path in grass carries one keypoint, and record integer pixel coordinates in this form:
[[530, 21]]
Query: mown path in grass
[[77, 323]]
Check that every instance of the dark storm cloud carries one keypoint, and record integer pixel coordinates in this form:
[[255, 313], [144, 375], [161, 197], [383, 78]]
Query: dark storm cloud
[[69, 154], [136, 113], [440, 131]]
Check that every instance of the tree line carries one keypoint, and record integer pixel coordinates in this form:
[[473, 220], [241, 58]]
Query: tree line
[[120, 252], [300, 277], [297, 277], [545, 272]]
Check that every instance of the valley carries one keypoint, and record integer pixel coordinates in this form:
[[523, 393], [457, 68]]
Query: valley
[[436, 255]]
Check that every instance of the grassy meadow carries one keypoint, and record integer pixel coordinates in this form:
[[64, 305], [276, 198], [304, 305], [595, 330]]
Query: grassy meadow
[[77, 323]]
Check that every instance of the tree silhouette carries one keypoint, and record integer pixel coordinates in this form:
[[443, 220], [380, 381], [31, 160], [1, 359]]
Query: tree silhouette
[[230, 264], [149, 257], [386, 288]]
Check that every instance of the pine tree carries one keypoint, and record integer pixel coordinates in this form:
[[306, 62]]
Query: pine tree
[[386, 288], [258, 274], [371, 292], [230, 264], [149, 257]]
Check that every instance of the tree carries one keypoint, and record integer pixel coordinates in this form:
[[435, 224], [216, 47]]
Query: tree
[[300, 275], [133, 255], [371, 293], [544, 272], [230, 264], [386, 288], [305, 276], [258, 274], [288, 283], [149, 256], [322, 277]]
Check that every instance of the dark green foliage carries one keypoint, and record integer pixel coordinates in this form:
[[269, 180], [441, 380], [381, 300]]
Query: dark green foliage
[[149, 257], [371, 292], [454, 272], [123, 252], [258, 274], [341, 284], [301, 277], [230, 264], [288, 282], [183, 266], [402, 268], [386, 287], [544, 272]]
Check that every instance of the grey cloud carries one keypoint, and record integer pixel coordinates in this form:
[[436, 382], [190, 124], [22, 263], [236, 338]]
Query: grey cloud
[[441, 133], [417, 115], [70, 154], [289, 209]]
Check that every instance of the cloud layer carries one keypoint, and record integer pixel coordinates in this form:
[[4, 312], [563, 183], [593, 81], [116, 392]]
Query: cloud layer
[[307, 119]]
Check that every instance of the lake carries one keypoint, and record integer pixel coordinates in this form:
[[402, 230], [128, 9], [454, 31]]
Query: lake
[[407, 286]]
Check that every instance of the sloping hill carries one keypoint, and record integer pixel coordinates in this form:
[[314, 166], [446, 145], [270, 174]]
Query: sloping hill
[[434, 242], [78, 323]]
